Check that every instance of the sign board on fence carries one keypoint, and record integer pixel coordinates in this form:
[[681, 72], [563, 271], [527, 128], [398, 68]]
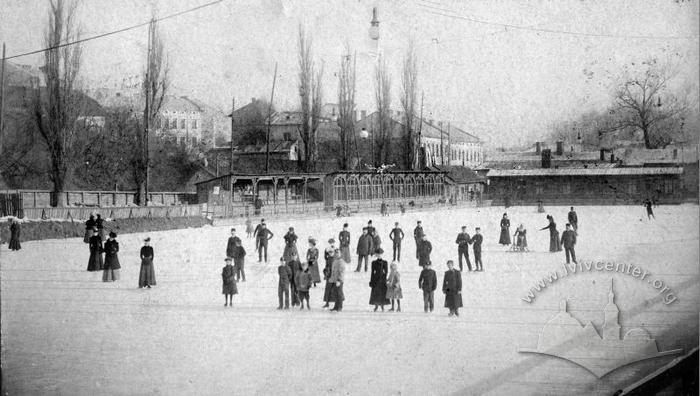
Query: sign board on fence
[[216, 190]]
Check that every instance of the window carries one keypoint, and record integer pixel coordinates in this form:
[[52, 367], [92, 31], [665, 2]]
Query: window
[[539, 189], [632, 188], [183, 124], [194, 124], [566, 188], [668, 186]]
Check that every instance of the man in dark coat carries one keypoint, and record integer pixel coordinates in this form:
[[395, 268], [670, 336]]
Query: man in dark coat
[[452, 287], [573, 219], [650, 212], [463, 241], [568, 240], [377, 281], [418, 235], [365, 248], [231, 245], [337, 280], [344, 240], [424, 250], [262, 236], [99, 223], [476, 241], [285, 274], [427, 281], [295, 266], [396, 236]]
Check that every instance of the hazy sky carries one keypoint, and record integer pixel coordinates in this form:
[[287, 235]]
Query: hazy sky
[[504, 84]]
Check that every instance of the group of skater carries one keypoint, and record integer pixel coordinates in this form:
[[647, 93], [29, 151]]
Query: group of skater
[[99, 244], [566, 241]]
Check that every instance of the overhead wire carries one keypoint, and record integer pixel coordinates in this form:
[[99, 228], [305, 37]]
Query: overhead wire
[[117, 31]]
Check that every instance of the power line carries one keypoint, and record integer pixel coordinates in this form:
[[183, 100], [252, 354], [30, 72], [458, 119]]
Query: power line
[[431, 10], [117, 31]]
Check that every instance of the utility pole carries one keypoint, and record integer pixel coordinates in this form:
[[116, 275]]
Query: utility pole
[[2, 96], [420, 130], [269, 120], [449, 145], [149, 66], [233, 122]]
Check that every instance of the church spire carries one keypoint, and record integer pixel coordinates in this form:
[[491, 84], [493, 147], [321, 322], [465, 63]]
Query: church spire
[[611, 326]]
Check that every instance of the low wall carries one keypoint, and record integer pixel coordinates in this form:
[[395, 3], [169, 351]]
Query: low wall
[[38, 230], [128, 212]]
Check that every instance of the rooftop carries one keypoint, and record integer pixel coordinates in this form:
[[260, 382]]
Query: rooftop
[[584, 172]]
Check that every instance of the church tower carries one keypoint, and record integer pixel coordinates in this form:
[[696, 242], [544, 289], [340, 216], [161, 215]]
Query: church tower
[[611, 326]]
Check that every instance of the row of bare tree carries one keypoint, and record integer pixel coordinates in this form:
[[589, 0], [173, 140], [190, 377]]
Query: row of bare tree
[[57, 110]]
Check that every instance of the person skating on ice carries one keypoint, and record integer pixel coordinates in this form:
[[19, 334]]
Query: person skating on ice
[[364, 249], [231, 244], [312, 260], [476, 242], [452, 288], [295, 265], [424, 250], [248, 227], [520, 238], [337, 280], [290, 244], [568, 240], [505, 231], [463, 241], [554, 242], [238, 256], [418, 235], [263, 235], [147, 274], [427, 281], [111, 265], [285, 280], [377, 282], [303, 281], [328, 256], [344, 240], [573, 219], [396, 236], [228, 278], [393, 287], [95, 263]]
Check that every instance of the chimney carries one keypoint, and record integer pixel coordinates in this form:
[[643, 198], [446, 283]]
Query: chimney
[[560, 148], [546, 158], [538, 148], [602, 155]]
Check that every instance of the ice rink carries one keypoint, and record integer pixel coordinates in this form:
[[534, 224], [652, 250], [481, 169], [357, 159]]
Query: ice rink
[[66, 332]]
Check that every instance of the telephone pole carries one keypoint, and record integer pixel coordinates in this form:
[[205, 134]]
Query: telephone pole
[[233, 123], [269, 121]]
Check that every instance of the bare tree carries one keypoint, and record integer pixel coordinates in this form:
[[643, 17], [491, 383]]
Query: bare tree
[[409, 85], [346, 102], [155, 85], [316, 104], [382, 96], [57, 111], [305, 92], [641, 106]]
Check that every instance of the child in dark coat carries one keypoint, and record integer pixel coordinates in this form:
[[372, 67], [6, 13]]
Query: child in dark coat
[[285, 273], [303, 280], [229, 279]]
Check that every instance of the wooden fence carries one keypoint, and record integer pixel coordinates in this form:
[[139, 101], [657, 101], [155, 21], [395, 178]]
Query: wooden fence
[[17, 202], [116, 212]]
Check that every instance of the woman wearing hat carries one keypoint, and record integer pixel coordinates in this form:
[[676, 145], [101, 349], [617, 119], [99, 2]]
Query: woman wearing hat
[[89, 225], [328, 256], [377, 282], [147, 275], [290, 245], [95, 262], [228, 276], [505, 231], [111, 267], [312, 259]]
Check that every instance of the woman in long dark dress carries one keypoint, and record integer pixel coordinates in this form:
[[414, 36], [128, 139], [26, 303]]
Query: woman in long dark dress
[[505, 231], [95, 262], [147, 275], [99, 223], [111, 266], [328, 256], [15, 231], [290, 245], [377, 281], [89, 225], [312, 259], [554, 245]]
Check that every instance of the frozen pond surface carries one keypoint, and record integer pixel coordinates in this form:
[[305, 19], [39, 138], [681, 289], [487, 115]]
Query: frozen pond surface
[[65, 332]]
